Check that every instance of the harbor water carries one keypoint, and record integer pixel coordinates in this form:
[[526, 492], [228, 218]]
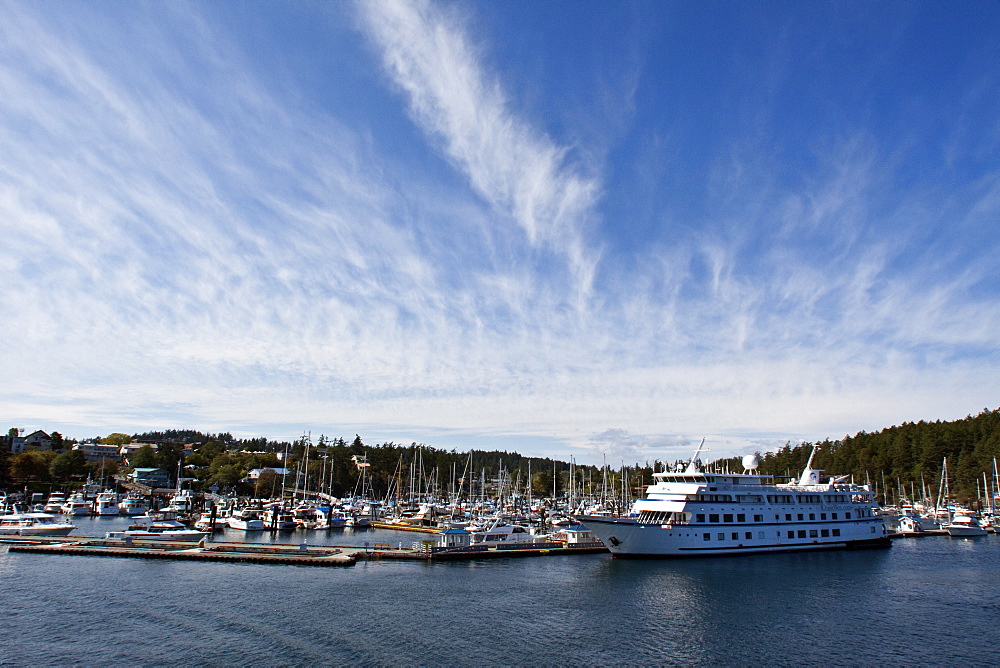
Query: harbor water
[[924, 601]]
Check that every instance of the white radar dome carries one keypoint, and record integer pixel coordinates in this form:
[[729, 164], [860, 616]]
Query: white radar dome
[[750, 462]]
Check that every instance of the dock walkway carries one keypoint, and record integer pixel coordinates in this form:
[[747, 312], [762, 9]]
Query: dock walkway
[[260, 553]]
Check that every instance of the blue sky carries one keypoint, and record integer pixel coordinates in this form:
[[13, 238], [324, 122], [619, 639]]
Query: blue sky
[[560, 228]]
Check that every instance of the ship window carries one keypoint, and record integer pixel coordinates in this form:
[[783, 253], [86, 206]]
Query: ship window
[[836, 532], [722, 536], [813, 533], [749, 535], [847, 516], [812, 516], [800, 517], [760, 534], [873, 529], [727, 518], [802, 533], [741, 517], [822, 516], [788, 518], [835, 516], [758, 518], [791, 534], [713, 518], [825, 533], [707, 536], [736, 535], [701, 517]]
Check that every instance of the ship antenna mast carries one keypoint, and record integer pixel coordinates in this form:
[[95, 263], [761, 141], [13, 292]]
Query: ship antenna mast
[[692, 467]]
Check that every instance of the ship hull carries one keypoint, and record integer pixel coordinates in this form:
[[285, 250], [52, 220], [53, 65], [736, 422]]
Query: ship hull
[[626, 538]]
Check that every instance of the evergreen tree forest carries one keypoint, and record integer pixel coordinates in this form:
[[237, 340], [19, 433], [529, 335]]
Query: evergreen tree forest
[[902, 460]]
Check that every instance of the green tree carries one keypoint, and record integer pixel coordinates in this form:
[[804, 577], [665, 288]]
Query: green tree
[[541, 483], [27, 466], [68, 464], [212, 449], [227, 475], [144, 458], [116, 438], [268, 484], [57, 441]]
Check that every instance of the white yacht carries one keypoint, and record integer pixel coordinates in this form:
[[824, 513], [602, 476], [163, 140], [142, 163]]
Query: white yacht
[[246, 519], [499, 534], [133, 504], [33, 524], [694, 513], [107, 504], [55, 503], [964, 526], [77, 505], [160, 530], [206, 523]]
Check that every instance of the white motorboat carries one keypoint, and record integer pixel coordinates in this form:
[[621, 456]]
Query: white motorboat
[[34, 524], [246, 519], [334, 518], [55, 503], [964, 526], [160, 530], [205, 522], [133, 505], [694, 513], [502, 534], [77, 505], [278, 518], [107, 504]]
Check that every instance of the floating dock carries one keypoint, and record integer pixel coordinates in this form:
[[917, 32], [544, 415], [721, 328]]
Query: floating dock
[[268, 553]]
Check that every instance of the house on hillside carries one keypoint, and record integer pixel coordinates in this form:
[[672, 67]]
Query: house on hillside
[[254, 474], [150, 477], [128, 450], [95, 452], [38, 439]]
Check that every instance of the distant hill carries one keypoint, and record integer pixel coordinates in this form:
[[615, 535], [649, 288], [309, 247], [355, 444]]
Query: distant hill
[[903, 456]]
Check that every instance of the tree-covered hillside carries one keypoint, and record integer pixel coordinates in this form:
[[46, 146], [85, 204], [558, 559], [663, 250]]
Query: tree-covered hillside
[[903, 457]]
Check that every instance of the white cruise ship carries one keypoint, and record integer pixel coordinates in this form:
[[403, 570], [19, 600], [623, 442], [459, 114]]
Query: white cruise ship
[[694, 513]]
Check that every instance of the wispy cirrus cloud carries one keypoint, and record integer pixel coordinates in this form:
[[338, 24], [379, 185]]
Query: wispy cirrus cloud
[[508, 162], [186, 242]]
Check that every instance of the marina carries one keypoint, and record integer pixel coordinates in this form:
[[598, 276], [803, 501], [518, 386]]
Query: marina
[[856, 607]]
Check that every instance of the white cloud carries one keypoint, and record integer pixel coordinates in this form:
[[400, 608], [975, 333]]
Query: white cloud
[[209, 255]]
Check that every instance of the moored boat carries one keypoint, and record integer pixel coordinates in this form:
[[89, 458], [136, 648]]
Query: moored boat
[[964, 526], [107, 504], [160, 530], [33, 524], [694, 513], [77, 505], [132, 505], [246, 519]]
